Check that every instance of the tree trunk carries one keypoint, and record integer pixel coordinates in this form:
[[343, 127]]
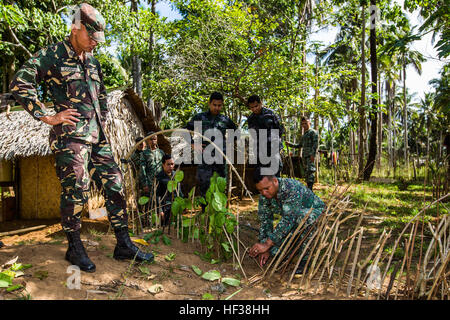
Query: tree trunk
[[405, 119], [373, 113], [362, 117], [136, 63], [380, 127]]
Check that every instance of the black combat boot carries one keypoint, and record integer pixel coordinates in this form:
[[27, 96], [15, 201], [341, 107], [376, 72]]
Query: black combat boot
[[125, 249], [310, 185], [76, 254]]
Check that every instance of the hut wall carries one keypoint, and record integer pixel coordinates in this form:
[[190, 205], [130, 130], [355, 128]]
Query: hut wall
[[40, 188]]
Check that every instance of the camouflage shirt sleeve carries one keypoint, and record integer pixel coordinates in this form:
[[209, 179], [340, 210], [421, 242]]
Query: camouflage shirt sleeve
[[266, 219], [25, 82]]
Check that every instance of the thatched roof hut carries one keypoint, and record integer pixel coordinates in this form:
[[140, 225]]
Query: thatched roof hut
[[24, 141]]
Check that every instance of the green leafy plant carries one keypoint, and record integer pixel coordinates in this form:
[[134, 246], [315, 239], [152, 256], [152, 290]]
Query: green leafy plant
[[208, 225]]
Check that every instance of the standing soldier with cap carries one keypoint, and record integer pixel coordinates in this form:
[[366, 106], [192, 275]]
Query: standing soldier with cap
[[211, 119], [309, 142], [75, 84], [264, 118]]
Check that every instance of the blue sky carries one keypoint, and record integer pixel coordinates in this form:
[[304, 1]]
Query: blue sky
[[414, 82]]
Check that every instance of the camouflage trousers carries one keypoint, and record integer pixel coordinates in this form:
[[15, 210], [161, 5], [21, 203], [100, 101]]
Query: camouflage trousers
[[310, 170], [205, 172], [308, 230], [76, 161]]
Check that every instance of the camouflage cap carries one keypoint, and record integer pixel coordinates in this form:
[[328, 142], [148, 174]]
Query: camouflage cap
[[92, 20]]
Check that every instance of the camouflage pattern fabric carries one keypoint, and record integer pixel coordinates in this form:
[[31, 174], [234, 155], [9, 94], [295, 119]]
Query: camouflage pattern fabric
[[80, 150], [267, 119], [75, 161], [163, 196], [209, 121], [151, 165], [309, 142], [293, 203], [93, 21], [71, 83]]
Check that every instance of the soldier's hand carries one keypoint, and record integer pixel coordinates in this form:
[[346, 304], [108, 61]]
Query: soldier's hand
[[263, 257], [67, 116]]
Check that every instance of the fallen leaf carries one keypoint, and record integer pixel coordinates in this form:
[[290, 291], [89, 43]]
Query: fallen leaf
[[157, 288], [141, 241]]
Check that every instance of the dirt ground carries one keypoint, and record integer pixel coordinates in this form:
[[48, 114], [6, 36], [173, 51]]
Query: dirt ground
[[48, 277]]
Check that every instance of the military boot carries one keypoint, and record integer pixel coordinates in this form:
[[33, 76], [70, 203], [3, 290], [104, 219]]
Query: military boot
[[76, 254], [310, 185], [125, 249]]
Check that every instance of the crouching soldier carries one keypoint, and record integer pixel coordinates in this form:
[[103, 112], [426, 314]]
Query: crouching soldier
[[163, 196], [293, 201]]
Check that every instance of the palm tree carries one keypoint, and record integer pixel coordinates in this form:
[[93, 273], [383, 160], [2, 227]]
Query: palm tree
[[407, 56]]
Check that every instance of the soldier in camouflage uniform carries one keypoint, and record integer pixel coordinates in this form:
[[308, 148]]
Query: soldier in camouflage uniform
[[290, 199], [163, 196], [75, 84], [151, 159], [211, 119], [264, 118], [309, 142]]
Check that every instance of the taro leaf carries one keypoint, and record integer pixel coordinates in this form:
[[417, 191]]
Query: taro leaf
[[176, 208], [15, 287], [170, 256], [166, 240], [5, 279], [219, 201], [211, 275], [179, 176], [231, 281], [229, 225], [221, 184], [207, 296], [171, 185], [226, 246], [197, 270], [219, 219], [143, 200]]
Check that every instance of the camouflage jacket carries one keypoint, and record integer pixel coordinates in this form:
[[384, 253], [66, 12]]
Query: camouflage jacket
[[220, 122], [71, 83], [151, 165], [267, 119], [293, 202], [309, 142]]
